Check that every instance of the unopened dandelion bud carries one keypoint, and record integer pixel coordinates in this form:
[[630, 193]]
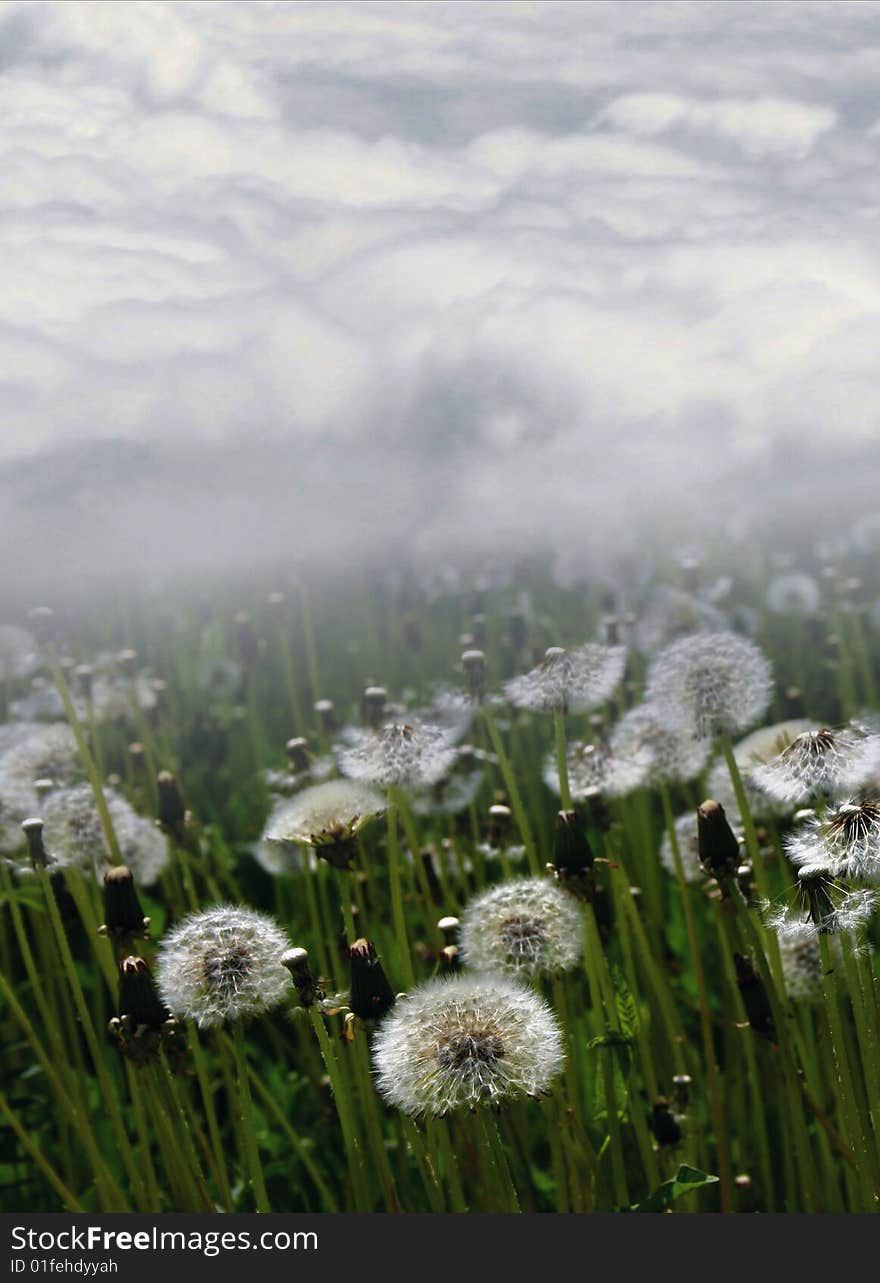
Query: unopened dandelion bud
[[571, 848], [500, 821], [691, 568], [474, 664], [745, 1194], [754, 997], [517, 630], [139, 999], [172, 811], [478, 631], [371, 994], [298, 753], [794, 702], [326, 711], [373, 703], [136, 755], [297, 963], [718, 847], [43, 787], [123, 915], [449, 956], [448, 927], [681, 1090], [664, 1124], [33, 831]]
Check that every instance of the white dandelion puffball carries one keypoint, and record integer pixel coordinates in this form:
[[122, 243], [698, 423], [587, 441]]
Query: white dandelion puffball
[[223, 964], [594, 768], [30, 752], [569, 681], [672, 613], [710, 684], [844, 840], [402, 754], [686, 834], [846, 911], [820, 762], [73, 834], [674, 756], [324, 814], [793, 593], [528, 927], [752, 753], [457, 1043]]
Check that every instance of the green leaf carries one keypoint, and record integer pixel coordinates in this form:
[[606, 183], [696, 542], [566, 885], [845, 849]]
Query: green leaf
[[627, 1011], [685, 1181]]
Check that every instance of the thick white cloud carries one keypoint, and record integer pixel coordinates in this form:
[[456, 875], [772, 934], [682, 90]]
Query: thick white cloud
[[330, 275]]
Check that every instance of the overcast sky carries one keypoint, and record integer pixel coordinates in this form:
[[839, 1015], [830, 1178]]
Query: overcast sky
[[321, 275]]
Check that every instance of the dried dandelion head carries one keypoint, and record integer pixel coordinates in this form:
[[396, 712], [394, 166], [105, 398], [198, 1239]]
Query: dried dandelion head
[[327, 817], [528, 927], [710, 684], [74, 835], [461, 1042], [820, 762], [223, 964], [569, 681], [410, 754]]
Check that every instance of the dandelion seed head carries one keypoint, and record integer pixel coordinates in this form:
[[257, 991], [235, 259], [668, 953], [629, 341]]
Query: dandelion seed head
[[572, 681], [221, 964], [409, 754], [820, 762], [34, 760], [675, 756], [528, 927], [324, 815], [801, 962], [671, 613], [18, 653], [595, 768], [710, 684], [74, 836], [845, 840], [465, 1041], [752, 753], [793, 593]]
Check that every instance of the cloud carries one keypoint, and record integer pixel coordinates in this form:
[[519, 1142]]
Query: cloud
[[347, 278]]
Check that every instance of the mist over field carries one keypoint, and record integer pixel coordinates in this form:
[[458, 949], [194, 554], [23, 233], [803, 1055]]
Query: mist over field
[[337, 283]]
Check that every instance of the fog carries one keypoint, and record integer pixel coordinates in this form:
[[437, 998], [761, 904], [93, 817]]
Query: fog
[[339, 283]]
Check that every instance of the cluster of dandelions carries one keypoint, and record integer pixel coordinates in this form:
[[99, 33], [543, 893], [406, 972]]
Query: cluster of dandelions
[[223, 964], [470, 1040]]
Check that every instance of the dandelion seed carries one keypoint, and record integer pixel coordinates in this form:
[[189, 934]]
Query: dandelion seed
[[223, 964], [569, 681], [461, 1042], [405, 755], [74, 835], [820, 763], [710, 684], [327, 817], [528, 927]]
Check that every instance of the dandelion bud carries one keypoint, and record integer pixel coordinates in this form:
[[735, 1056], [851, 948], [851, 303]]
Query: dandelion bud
[[297, 963], [123, 915], [449, 929], [600, 814], [298, 753], [754, 996], [794, 702], [664, 1124], [474, 664], [371, 994], [172, 811], [44, 787], [681, 1089], [138, 997], [814, 892], [33, 831], [449, 956], [478, 631], [500, 817], [718, 847], [373, 703], [517, 631], [572, 855], [136, 755], [326, 711], [127, 661]]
